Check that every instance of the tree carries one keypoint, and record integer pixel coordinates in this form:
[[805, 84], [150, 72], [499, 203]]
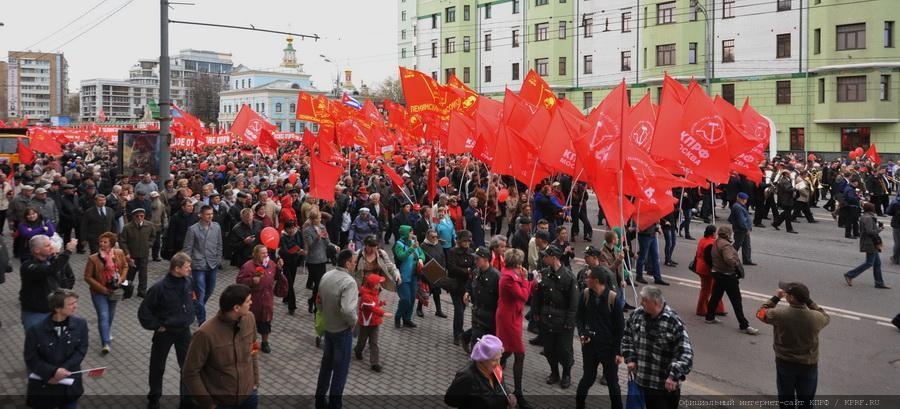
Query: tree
[[390, 88], [203, 96], [73, 106]]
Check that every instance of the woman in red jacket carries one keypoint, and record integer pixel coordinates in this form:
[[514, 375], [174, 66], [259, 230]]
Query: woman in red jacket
[[260, 274], [287, 211], [456, 213], [515, 287], [704, 270]]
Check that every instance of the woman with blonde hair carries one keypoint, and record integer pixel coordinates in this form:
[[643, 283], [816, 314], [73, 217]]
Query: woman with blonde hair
[[316, 243]]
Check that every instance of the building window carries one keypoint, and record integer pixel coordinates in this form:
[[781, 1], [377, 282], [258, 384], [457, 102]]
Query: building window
[[694, 11], [542, 32], [885, 87], [727, 50], [851, 89], [665, 13], [293, 107], [562, 30], [889, 34], [487, 42], [588, 23], [466, 12], [449, 72], [487, 73], [692, 53], [665, 55], [540, 2], [541, 65], [784, 5], [727, 8], [561, 95], [466, 75], [515, 6], [403, 15], [450, 45], [562, 65], [728, 93], [434, 49], [588, 64], [626, 22], [817, 41], [851, 36], [434, 75], [403, 34], [588, 100], [851, 138], [626, 60], [515, 38], [434, 20], [783, 46], [797, 139], [515, 71], [782, 92], [402, 53], [450, 14], [487, 11], [467, 43], [821, 90]]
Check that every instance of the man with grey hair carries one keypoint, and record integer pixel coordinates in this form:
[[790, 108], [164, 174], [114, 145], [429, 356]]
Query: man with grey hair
[[45, 206], [45, 271], [497, 247], [727, 271], [657, 350]]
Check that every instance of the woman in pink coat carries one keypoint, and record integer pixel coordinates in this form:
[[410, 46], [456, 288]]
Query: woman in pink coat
[[260, 273], [515, 287]]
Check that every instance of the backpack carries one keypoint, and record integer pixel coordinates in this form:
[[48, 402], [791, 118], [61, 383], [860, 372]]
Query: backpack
[[611, 297]]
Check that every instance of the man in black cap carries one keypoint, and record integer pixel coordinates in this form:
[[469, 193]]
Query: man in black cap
[[70, 213], [601, 324], [796, 342], [460, 263], [522, 235], [554, 307], [137, 237], [483, 291], [140, 201], [591, 260]]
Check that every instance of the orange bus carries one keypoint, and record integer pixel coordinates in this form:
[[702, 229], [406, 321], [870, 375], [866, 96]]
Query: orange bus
[[9, 138]]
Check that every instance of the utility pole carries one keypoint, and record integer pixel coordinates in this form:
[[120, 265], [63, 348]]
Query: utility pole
[[707, 34], [164, 97]]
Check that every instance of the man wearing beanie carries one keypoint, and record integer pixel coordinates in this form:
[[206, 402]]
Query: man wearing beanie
[[796, 342]]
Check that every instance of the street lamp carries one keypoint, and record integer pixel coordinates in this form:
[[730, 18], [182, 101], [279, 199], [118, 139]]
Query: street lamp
[[337, 75]]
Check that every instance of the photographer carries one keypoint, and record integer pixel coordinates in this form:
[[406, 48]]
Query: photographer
[[105, 272]]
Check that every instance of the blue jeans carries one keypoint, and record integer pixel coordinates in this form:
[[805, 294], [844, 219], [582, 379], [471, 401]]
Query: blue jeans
[[252, 402], [334, 368], [204, 284], [670, 235], [106, 311], [872, 260], [796, 382], [31, 318], [407, 293], [648, 249]]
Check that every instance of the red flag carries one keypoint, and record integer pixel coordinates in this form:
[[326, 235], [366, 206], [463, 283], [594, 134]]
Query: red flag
[[328, 152], [432, 178], [560, 153], [606, 187], [26, 155], [739, 142], [640, 124], [309, 139], [267, 143], [42, 142], [187, 121], [537, 92], [398, 181], [461, 134], [93, 373], [649, 211], [2, 124], [422, 93], [600, 141], [467, 97], [526, 120], [248, 126], [322, 179], [314, 109], [758, 127], [872, 154]]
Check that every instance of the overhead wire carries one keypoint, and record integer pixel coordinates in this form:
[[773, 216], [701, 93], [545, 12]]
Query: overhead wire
[[67, 25]]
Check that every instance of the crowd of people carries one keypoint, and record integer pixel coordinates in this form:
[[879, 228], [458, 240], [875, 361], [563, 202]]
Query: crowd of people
[[497, 249]]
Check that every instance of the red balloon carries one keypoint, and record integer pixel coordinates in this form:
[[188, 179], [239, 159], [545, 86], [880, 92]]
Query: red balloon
[[270, 238], [444, 182], [204, 165], [502, 195], [859, 150], [853, 155]]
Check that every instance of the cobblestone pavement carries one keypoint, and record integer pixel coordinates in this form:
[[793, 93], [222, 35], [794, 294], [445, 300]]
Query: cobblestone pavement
[[418, 363]]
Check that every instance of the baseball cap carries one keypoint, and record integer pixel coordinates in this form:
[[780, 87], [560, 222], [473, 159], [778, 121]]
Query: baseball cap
[[797, 289], [552, 251], [483, 252]]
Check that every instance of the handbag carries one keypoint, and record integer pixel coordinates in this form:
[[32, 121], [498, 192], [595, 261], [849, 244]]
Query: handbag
[[281, 285], [693, 265], [635, 397]]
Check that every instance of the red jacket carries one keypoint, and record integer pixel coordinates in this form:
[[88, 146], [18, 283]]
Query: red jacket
[[370, 311], [456, 214], [702, 268]]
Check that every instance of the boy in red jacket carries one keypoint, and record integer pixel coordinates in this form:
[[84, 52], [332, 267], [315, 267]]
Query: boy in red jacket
[[370, 317]]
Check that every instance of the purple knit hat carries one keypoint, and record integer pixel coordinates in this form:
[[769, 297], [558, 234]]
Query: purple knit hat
[[486, 348]]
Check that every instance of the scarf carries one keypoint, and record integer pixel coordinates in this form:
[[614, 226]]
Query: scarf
[[109, 264], [621, 234]]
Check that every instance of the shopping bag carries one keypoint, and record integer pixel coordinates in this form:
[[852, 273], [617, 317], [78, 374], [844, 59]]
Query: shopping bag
[[635, 398]]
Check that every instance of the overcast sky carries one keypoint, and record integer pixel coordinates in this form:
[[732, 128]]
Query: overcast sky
[[361, 34]]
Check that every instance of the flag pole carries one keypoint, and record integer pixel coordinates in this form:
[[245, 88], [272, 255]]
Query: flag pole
[[712, 197], [621, 181], [574, 181]]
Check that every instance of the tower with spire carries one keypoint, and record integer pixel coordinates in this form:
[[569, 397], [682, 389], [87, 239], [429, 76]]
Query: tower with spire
[[289, 60]]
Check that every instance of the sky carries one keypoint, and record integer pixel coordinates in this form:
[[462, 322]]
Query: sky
[[360, 34]]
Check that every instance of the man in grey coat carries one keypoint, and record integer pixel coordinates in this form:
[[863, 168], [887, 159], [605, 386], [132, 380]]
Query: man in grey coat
[[339, 296], [203, 243]]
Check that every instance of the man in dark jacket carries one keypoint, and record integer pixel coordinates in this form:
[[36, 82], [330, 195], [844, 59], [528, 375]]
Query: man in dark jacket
[[483, 292], [168, 311], [554, 306], [178, 227], [70, 214], [522, 235], [740, 223], [601, 324], [243, 237], [784, 191], [460, 263], [41, 274], [97, 220], [136, 239]]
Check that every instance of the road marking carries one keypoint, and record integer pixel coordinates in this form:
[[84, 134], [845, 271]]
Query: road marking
[[831, 310], [885, 324]]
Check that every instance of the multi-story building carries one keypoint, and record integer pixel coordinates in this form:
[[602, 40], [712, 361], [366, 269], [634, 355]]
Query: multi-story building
[[406, 34], [36, 85], [825, 71], [270, 92], [127, 100]]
